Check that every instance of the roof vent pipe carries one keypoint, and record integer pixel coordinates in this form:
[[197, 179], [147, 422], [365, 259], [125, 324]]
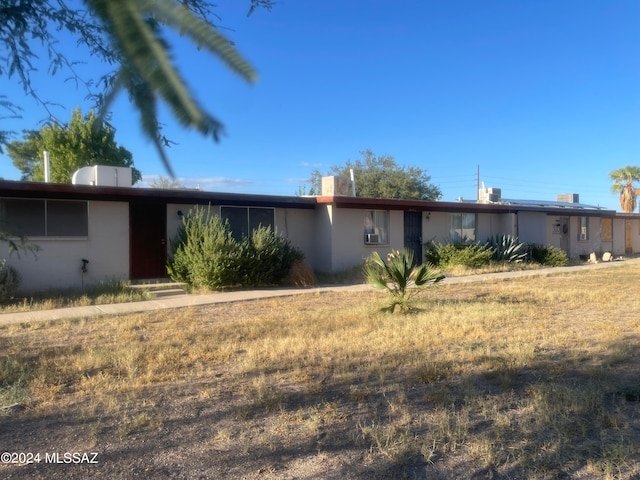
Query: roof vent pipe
[[47, 175], [353, 183]]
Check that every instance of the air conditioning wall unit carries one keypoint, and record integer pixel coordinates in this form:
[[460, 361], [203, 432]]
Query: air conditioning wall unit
[[372, 238]]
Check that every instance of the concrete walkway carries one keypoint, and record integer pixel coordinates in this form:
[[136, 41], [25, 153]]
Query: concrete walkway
[[179, 301]]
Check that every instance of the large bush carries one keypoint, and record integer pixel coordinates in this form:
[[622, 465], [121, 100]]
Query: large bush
[[267, 257], [204, 254]]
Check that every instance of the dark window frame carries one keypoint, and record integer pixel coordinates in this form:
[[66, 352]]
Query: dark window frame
[[242, 223], [377, 227], [457, 231], [44, 218]]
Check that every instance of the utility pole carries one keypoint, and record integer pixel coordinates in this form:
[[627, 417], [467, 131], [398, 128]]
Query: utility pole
[[478, 185]]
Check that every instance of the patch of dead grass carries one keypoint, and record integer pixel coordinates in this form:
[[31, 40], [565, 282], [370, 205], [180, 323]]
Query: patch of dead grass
[[525, 378]]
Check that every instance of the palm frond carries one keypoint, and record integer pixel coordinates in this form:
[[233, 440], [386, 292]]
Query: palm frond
[[182, 19], [147, 71], [400, 277]]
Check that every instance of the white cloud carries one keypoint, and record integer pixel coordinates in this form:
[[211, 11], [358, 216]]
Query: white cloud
[[204, 183]]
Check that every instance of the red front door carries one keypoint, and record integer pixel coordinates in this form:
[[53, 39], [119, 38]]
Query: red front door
[[148, 240]]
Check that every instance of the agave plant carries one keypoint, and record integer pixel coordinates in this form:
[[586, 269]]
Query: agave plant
[[508, 249], [400, 277]]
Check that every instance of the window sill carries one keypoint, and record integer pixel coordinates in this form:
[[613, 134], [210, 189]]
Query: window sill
[[56, 239]]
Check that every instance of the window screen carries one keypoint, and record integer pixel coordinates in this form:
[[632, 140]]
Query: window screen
[[24, 217], [238, 221], [463, 227], [244, 220], [260, 217], [67, 218], [376, 222], [44, 218]]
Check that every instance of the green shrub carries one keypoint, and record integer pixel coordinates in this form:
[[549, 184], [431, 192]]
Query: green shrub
[[508, 249], [549, 255], [9, 280], [267, 257], [204, 254], [400, 277], [448, 255]]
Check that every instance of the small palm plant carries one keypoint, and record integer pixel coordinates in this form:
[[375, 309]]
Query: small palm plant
[[400, 277]]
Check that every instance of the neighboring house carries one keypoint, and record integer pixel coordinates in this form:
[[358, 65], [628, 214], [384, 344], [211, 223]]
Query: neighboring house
[[125, 232]]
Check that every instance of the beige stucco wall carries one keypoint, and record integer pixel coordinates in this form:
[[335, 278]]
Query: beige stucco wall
[[570, 241], [436, 228], [553, 234], [635, 235], [340, 238], [298, 226], [488, 225], [532, 227], [58, 263], [593, 244], [323, 234], [619, 235]]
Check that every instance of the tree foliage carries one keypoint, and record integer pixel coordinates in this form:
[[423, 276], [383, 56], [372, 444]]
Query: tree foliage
[[132, 37], [84, 141], [623, 180], [166, 183], [381, 177]]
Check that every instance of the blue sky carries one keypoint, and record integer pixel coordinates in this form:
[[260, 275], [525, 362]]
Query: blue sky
[[543, 96]]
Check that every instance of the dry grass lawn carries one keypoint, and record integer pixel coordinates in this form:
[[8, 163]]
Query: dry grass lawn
[[528, 378]]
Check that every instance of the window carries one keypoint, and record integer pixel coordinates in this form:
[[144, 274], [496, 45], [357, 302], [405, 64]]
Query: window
[[376, 227], [463, 227], [583, 234], [44, 218], [244, 220]]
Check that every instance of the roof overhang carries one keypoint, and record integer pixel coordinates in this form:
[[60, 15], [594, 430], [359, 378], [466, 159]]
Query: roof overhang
[[147, 195], [18, 189], [457, 207]]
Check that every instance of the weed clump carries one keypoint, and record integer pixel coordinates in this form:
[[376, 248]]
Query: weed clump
[[9, 280]]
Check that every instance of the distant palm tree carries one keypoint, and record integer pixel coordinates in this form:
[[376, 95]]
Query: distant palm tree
[[623, 179]]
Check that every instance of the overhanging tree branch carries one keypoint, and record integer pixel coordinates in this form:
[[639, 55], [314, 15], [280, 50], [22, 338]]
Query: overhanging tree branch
[[129, 34]]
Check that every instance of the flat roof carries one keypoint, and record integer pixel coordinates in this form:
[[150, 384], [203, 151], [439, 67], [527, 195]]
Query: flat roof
[[149, 195], [20, 189], [553, 208]]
